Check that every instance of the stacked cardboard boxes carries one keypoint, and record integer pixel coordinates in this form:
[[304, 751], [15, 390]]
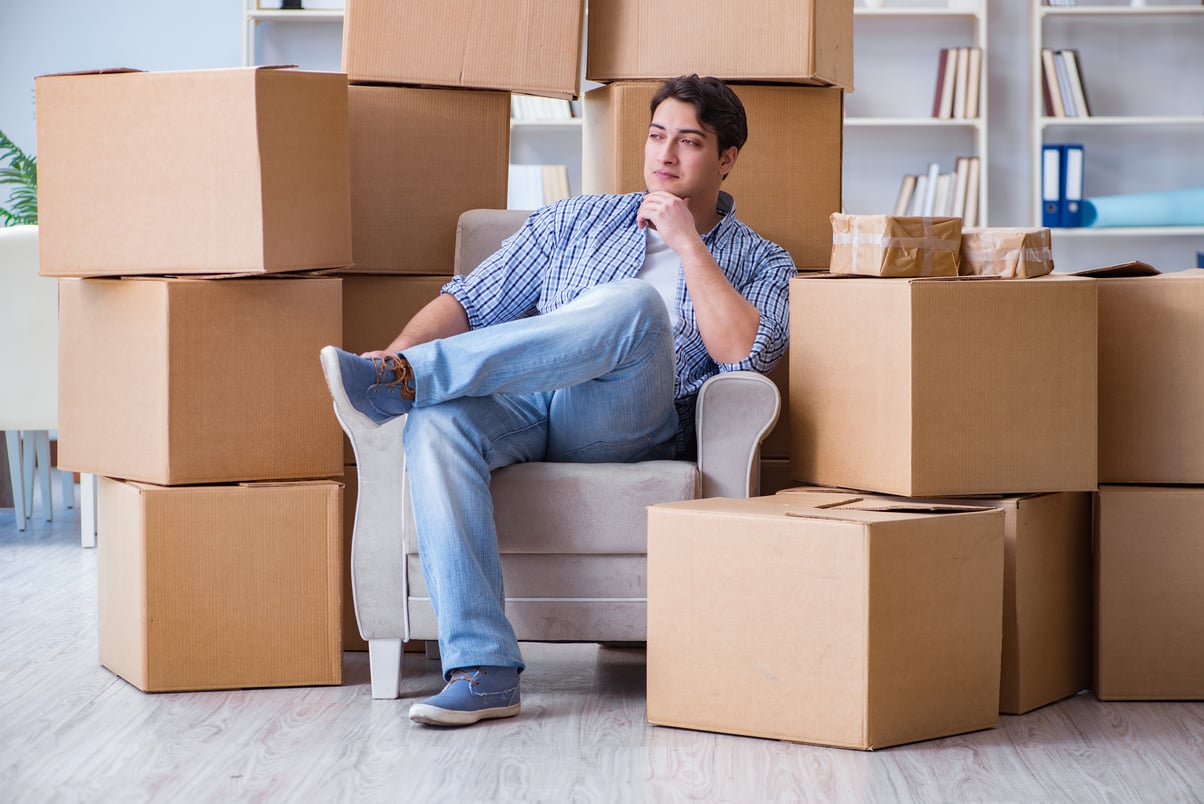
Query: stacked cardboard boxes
[[1149, 559], [429, 127], [178, 208]]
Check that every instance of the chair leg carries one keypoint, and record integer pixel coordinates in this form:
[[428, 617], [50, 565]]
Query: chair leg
[[384, 665], [41, 446], [87, 510], [16, 477], [28, 456]]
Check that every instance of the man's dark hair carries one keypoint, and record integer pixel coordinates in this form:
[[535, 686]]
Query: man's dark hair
[[717, 107]]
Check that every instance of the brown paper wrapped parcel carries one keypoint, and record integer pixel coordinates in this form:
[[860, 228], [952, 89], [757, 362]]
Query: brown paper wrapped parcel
[[892, 245], [997, 251]]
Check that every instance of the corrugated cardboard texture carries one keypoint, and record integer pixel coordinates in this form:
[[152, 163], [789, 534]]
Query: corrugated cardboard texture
[[783, 191], [1151, 338], [419, 158], [527, 46], [890, 245], [220, 587], [180, 381], [1006, 252], [1149, 594], [928, 387], [779, 41], [859, 629], [1047, 598], [199, 172]]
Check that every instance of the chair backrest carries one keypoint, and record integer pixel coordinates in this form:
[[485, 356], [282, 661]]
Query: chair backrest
[[480, 232], [29, 335]]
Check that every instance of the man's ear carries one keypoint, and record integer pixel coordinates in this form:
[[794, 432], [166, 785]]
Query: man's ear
[[727, 159]]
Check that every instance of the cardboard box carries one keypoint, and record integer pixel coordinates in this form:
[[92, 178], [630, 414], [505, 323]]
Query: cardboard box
[[928, 387], [783, 191], [836, 626], [197, 172], [419, 158], [514, 45], [1151, 336], [891, 245], [996, 251], [219, 587], [1047, 597], [186, 381], [780, 41], [376, 308], [1149, 587]]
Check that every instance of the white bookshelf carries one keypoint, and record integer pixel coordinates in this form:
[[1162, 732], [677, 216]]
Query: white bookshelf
[[889, 128], [1140, 137]]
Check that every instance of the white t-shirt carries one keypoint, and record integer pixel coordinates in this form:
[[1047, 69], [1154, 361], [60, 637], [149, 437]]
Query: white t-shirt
[[662, 267]]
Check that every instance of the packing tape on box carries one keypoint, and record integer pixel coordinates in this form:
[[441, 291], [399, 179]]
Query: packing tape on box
[[926, 246]]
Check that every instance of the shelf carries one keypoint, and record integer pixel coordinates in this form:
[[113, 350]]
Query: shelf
[[1119, 11], [296, 15], [1130, 231], [1124, 120], [572, 123], [935, 11], [918, 122]]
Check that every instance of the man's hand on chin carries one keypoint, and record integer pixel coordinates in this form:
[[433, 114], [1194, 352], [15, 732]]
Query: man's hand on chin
[[668, 215]]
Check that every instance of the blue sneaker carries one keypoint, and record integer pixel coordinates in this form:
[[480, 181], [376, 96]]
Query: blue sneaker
[[472, 694], [378, 388]]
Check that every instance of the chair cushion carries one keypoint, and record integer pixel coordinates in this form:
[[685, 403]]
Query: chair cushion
[[584, 507]]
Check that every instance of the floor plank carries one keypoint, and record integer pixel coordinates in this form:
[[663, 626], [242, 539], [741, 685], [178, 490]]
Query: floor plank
[[72, 731]]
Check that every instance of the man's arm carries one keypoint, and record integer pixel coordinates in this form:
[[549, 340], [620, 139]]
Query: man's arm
[[727, 321], [440, 318]]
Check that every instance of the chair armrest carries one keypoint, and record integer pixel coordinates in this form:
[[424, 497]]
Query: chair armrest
[[734, 413]]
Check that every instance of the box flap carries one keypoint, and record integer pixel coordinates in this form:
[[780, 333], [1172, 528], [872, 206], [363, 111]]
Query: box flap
[[1134, 268]]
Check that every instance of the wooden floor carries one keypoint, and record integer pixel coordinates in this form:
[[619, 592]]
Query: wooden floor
[[71, 731]]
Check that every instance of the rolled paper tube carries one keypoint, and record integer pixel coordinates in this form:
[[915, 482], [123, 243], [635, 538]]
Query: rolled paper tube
[[1163, 208]]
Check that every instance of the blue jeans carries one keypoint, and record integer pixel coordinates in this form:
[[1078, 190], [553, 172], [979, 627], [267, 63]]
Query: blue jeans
[[591, 381]]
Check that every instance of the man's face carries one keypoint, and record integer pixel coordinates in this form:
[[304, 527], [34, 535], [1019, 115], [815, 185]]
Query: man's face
[[680, 156]]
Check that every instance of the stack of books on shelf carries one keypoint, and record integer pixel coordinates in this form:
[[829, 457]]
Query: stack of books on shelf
[[1063, 84], [958, 79], [532, 107], [935, 193]]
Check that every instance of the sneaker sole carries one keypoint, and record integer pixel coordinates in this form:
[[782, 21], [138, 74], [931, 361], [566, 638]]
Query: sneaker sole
[[344, 411], [436, 716]]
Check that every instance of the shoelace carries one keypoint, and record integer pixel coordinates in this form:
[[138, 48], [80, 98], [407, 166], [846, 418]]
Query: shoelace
[[393, 371], [466, 675]]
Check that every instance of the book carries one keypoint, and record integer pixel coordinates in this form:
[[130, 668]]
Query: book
[[973, 82], [947, 88], [961, 174], [916, 208], [1071, 207], [934, 170], [959, 92], [1051, 185], [970, 219], [938, 94], [1052, 94], [942, 203], [1068, 107], [1075, 76], [906, 190]]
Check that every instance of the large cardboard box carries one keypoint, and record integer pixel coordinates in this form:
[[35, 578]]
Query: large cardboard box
[[785, 192], [1047, 597], [514, 45], [1149, 588], [186, 381], [196, 172], [929, 387], [1151, 337], [376, 308], [419, 158], [781, 41], [219, 587], [834, 625]]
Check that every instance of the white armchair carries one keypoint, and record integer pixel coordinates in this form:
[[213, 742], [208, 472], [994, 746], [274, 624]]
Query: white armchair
[[572, 536]]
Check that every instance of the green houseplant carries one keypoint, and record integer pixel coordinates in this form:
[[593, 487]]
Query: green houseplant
[[21, 170]]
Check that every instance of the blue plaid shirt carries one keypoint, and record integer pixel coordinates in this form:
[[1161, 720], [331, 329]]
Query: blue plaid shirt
[[588, 240]]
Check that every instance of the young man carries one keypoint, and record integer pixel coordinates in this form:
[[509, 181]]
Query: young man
[[584, 338]]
